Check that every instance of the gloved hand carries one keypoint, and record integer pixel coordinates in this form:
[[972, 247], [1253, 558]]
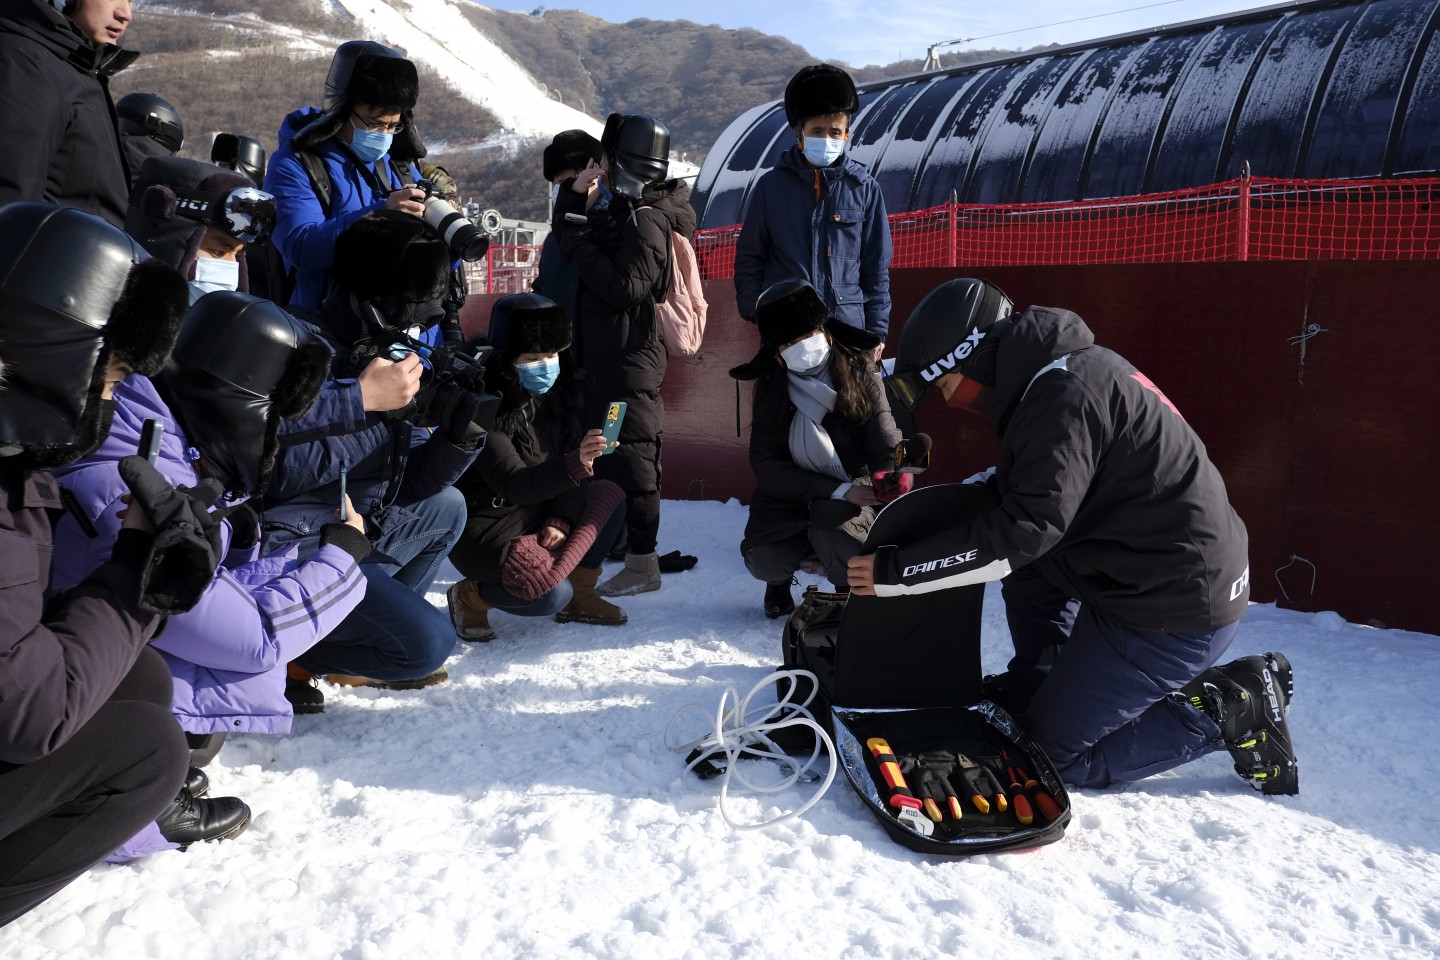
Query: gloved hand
[[676, 562], [463, 414], [891, 484], [981, 785], [186, 549], [928, 775]]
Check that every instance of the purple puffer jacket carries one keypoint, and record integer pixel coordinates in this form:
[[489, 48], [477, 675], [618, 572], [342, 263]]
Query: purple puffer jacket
[[228, 654]]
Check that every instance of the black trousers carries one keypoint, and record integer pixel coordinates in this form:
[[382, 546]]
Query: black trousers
[[837, 532], [64, 813]]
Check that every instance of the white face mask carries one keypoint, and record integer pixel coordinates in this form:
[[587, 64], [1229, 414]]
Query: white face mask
[[212, 275], [808, 355]]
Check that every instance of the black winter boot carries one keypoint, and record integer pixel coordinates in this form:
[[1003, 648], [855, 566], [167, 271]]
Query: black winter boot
[[778, 601], [188, 820], [197, 782], [1248, 700]]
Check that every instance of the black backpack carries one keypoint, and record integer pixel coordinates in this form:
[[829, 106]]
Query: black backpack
[[905, 671]]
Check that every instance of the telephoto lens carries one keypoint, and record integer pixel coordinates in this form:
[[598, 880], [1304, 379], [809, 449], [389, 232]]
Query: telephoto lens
[[465, 240]]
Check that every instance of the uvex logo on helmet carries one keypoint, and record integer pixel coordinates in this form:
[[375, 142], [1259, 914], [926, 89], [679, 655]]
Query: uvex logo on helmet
[[947, 363]]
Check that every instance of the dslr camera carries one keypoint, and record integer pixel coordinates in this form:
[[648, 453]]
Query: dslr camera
[[454, 373], [466, 241]]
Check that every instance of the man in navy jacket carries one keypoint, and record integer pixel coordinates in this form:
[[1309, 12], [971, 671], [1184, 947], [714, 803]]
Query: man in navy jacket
[[819, 215]]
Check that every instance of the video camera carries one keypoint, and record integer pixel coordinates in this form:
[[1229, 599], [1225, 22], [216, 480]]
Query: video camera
[[453, 371]]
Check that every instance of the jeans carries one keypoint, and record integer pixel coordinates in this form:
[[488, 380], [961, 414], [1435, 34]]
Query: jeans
[[1103, 712], [395, 633], [559, 596]]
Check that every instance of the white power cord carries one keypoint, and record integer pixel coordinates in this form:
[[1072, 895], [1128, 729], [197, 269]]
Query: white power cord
[[738, 734]]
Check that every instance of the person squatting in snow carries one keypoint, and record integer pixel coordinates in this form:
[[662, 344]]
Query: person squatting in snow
[[240, 366], [89, 751], [1125, 569], [819, 432], [397, 451], [538, 525]]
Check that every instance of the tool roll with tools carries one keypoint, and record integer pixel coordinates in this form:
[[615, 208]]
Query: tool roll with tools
[[942, 769]]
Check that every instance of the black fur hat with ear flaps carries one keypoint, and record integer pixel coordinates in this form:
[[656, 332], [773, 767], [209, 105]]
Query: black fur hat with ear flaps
[[819, 90], [528, 323], [391, 254], [788, 310], [363, 71]]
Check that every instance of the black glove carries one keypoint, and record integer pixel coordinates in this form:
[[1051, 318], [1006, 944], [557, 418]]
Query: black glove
[[676, 562], [928, 775], [981, 785], [463, 415], [186, 549]]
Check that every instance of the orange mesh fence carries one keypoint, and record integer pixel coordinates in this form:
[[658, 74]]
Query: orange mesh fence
[[1249, 218]]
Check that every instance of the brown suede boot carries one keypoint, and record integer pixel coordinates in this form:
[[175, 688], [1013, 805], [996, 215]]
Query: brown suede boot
[[469, 612], [585, 606]]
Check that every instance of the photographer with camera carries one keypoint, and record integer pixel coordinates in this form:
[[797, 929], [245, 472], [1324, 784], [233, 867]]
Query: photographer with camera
[[352, 156], [395, 428]]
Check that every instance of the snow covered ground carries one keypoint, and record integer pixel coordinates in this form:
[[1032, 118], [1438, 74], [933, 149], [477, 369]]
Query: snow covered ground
[[529, 808]]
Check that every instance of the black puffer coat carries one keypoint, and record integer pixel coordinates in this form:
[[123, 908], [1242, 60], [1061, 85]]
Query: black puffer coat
[[621, 257], [63, 145], [528, 472]]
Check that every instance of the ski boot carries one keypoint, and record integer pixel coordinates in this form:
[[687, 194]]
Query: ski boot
[[1248, 700]]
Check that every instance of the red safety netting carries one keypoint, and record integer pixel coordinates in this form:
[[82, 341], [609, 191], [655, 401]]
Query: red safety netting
[[1249, 218]]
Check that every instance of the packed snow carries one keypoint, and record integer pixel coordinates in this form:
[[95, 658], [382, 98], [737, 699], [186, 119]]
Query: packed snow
[[530, 808]]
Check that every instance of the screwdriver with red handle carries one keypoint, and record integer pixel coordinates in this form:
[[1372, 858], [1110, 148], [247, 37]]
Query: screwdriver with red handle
[[1030, 787]]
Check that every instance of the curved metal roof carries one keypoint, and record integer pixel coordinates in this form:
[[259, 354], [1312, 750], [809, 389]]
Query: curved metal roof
[[1323, 89]]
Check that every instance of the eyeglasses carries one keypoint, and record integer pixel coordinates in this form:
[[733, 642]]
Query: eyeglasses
[[378, 126]]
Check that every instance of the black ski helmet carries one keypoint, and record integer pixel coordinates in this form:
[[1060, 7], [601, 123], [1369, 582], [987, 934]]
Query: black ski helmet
[[244, 155], [637, 148], [151, 115], [947, 333], [240, 365]]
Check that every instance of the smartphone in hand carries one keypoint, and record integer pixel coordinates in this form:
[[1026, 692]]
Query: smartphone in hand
[[614, 416], [150, 435], [344, 511]]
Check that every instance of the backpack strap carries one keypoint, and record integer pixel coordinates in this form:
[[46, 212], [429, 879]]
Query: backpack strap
[[319, 178]]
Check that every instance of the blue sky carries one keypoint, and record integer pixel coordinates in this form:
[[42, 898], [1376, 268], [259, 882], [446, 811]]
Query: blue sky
[[875, 31]]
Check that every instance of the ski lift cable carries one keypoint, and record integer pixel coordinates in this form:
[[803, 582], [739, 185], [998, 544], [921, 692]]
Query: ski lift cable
[[1061, 23]]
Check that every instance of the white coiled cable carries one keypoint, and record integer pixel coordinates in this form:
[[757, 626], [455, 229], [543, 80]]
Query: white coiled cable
[[738, 734]]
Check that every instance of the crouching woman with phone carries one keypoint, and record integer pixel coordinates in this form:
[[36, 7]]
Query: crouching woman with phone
[[538, 526]]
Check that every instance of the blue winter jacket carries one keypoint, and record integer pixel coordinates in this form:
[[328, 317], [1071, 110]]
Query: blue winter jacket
[[303, 232], [228, 653], [384, 461], [840, 243]]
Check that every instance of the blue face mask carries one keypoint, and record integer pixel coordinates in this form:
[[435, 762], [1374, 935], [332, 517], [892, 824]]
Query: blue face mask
[[370, 146], [822, 151], [212, 275], [539, 376]]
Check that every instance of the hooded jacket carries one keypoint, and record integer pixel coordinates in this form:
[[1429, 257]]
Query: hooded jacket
[[839, 242], [1104, 489], [227, 654], [61, 657], [620, 258], [65, 145], [304, 230]]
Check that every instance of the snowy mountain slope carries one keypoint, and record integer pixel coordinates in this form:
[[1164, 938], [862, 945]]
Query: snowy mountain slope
[[530, 808], [434, 33]]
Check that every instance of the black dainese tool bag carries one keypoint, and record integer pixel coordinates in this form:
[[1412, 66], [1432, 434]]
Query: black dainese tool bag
[[899, 689]]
